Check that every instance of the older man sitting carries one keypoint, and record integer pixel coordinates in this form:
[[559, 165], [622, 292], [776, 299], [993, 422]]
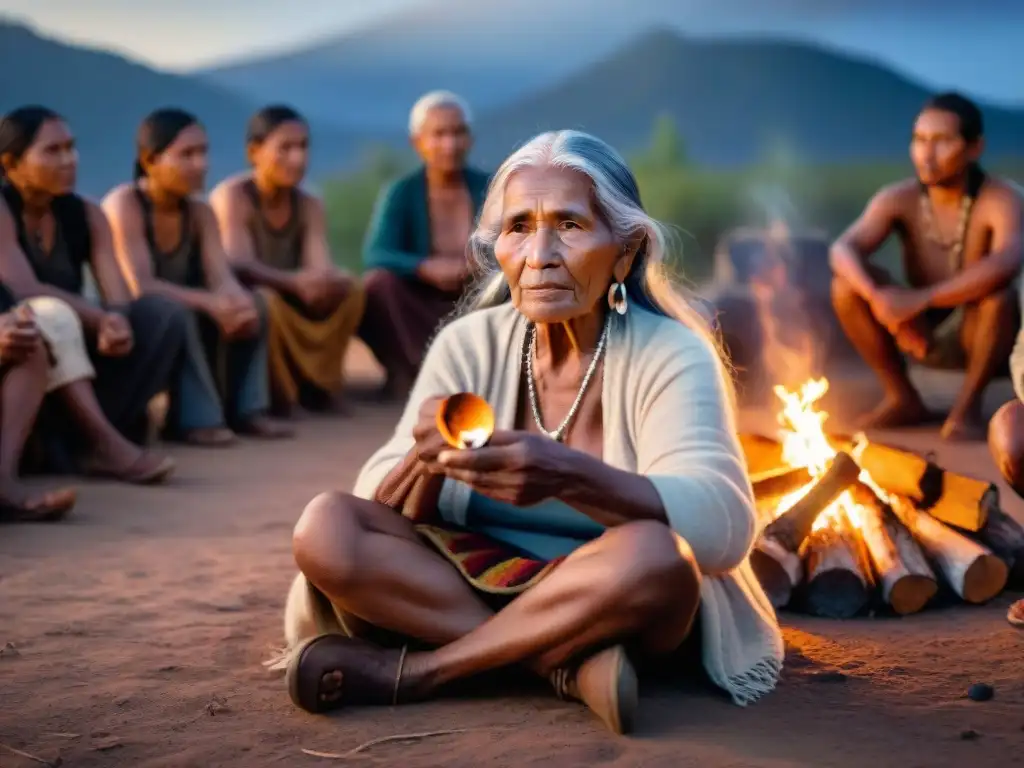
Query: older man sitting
[[415, 248]]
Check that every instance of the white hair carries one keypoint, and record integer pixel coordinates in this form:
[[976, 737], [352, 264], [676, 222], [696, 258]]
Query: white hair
[[433, 100], [651, 280]]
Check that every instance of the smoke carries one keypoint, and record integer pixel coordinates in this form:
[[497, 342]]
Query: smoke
[[791, 351]]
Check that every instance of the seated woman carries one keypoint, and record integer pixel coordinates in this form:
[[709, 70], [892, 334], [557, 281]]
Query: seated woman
[[168, 245], [25, 377], [611, 504], [275, 235], [48, 235]]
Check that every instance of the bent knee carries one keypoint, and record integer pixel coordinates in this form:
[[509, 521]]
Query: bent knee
[[325, 538], [1006, 442], [660, 556]]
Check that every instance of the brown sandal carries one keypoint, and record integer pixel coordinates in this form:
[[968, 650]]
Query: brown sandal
[[48, 508], [362, 674], [606, 682]]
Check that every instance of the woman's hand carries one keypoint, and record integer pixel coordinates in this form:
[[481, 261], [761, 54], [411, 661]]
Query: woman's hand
[[19, 335], [235, 313], [429, 442], [114, 336], [518, 468]]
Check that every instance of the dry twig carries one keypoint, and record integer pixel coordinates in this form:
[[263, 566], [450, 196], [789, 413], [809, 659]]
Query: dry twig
[[50, 763], [387, 739]]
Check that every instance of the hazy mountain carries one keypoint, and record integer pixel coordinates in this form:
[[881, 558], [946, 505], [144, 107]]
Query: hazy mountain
[[104, 97], [733, 101], [495, 52]]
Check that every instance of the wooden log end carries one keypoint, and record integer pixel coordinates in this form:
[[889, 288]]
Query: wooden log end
[[773, 577], [984, 579], [836, 594], [912, 593]]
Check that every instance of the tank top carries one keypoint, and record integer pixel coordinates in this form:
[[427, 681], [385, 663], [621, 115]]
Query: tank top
[[183, 264], [63, 266], [280, 248]]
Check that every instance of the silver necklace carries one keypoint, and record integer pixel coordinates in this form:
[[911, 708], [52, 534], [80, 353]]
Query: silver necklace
[[529, 349]]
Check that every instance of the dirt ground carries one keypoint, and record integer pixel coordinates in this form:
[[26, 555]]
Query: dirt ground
[[134, 635]]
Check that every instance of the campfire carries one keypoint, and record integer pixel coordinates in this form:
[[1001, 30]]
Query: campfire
[[857, 526]]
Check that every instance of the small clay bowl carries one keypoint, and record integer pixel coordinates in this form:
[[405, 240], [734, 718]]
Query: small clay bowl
[[465, 420]]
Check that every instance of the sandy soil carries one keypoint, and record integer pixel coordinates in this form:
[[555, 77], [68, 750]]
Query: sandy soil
[[135, 634]]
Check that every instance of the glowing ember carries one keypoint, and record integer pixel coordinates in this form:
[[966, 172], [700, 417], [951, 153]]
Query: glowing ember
[[804, 445]]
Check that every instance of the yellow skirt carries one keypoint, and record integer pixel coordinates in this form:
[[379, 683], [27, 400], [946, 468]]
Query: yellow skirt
[[306, 351]]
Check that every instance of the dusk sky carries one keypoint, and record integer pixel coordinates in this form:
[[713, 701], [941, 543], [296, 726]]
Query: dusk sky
[[919, 37]]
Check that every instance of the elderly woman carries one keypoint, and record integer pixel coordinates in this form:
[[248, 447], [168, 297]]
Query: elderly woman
[[610, 505]]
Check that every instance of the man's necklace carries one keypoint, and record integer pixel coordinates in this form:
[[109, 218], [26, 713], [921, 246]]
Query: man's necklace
[[530, 348], [954, 248]]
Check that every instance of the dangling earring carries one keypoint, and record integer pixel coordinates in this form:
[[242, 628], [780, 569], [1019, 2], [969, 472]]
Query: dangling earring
[[617, 298]]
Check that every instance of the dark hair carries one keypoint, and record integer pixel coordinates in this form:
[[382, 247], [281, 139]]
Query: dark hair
[[268, 120], [157, 132], [19, 129], [966, 111]]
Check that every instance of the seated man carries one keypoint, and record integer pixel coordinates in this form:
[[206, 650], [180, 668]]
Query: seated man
[[415, 249], [959, 229]]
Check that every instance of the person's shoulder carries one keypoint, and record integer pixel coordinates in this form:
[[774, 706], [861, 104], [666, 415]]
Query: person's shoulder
[[998, 191], [661, 342], [898, 194], [403, 185], [121, 201], [480, 326], [230, 193], [478, 176]]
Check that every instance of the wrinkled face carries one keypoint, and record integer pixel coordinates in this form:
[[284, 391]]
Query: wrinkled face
[[181, 168], [50, 164], [938, 151], [444, 139], [558, 254], [282, 157]]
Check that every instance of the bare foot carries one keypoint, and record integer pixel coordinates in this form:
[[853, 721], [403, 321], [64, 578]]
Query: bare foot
[[264, 427], [129, 464], [964, 429], [896, 412], [19, 504], [210, 437]]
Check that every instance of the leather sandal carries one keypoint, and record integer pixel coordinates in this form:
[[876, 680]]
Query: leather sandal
[[334, 671], [606, 682]]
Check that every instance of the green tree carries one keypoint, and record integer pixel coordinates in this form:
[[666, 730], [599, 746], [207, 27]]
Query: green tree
[[666, 149]]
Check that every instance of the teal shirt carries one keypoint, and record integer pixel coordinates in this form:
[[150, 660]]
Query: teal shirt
[[398, 237], [547, 530]]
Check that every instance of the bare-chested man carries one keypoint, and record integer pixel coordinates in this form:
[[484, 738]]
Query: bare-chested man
[[415, 249], [960, 230]]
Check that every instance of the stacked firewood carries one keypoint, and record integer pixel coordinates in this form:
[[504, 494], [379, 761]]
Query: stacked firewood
[[909, 528]]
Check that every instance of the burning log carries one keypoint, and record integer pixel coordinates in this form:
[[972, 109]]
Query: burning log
[[907, 581], [793, 526], [839, 579], [762, 453], [960, 501], [778, 569], [775, 483], [1005, 537], [975, 574]]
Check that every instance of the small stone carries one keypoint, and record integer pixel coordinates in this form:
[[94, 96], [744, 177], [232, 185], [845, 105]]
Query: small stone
[[9, 651], [969, 734], [106, 744], [980, 692], [832, 676]]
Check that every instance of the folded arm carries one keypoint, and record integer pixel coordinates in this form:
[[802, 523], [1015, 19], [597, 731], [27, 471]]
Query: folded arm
[[383, 246], [17, 274], [688, 450], [133, 256], [993, 271], [849, 254], [233, 210]]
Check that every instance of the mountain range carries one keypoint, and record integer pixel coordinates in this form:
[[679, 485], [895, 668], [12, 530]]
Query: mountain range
[[733, 99], [104, 98]]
